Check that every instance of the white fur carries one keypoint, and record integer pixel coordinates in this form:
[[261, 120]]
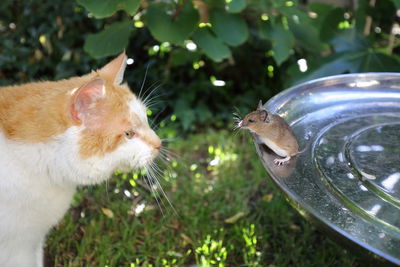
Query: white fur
[[37, 182], [136, 106], [278, 150]]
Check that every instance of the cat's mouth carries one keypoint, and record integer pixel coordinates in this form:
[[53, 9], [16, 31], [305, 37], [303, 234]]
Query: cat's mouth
[[146, 161]]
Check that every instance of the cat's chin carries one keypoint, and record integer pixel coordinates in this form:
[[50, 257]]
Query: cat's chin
[[96, 177], [127, 168]]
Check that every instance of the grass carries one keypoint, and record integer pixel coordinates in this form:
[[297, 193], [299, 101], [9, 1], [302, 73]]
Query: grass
[[228, 213]]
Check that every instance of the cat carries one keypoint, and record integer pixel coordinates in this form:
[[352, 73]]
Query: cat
[[55, 136]]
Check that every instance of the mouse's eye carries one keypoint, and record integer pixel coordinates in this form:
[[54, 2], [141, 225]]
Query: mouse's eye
[[130, 134], [251, 120]]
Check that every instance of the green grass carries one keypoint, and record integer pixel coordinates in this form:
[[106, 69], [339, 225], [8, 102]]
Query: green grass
[[228, 213]]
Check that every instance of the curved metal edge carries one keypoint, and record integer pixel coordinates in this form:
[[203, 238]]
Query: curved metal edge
[[333, 231], [341, 76], [303, 208]]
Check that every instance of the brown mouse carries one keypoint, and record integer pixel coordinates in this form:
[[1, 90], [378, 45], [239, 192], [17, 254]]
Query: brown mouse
[[273, 131]]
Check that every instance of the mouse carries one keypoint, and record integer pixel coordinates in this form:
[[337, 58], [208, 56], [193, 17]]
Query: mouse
[[273, 131]]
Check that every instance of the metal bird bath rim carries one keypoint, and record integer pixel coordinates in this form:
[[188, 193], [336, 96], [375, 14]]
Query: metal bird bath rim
[[348, 181]]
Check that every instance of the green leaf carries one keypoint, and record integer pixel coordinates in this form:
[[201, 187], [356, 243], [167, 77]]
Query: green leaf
[[213, 47], [230, 28], [329, 28], [303, 29], [322, 10], [307, 36], [233, 219], [365, 60], [168, 28], [235, 6], [378, 62], [111, 41], [184, 113], [181, 57], [396, 3], [349, 40], [334, 64], [105, 8], [282, 41], [361, 15]]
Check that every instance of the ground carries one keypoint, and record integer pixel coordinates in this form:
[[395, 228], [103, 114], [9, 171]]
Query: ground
[[224, 211]]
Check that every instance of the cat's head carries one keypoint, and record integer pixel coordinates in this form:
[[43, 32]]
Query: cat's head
[[111, 125]]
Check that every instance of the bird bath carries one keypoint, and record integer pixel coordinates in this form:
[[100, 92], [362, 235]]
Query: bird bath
[[348, 180]]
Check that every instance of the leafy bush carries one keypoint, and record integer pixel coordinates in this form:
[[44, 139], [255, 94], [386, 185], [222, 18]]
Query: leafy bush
[[209, 55], [254, 48]]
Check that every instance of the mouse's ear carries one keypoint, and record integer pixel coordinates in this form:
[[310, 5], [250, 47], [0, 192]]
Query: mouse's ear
[[260, 105], [264, 116]]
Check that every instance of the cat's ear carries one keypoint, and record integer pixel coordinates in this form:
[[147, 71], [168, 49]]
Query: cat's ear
[[84, 98], [114, 70]]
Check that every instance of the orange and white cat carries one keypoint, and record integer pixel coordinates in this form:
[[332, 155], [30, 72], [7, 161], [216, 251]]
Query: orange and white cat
[[55, 136]]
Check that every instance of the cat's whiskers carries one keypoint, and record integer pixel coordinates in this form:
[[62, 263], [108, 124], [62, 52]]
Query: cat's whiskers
[[154, 84], [108, 196], [155, 170], [148, 179], [151, 101], [167, 154], [153, 121], [144, 81], [150, 96]]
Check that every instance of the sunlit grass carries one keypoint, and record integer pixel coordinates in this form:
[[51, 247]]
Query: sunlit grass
[[228, 214]]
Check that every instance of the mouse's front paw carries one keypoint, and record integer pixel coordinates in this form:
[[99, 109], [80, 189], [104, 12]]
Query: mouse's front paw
[[280, 162]]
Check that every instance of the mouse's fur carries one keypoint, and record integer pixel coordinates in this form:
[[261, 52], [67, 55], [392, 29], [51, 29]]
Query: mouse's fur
[[273, 131]]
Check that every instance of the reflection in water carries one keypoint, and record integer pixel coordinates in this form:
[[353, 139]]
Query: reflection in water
[[391, 181], [363, 188], [354, 158], [367, 176], [322, 141], [341, 157], [330, 160], [374, 210], [267, 157], [363, 148], [364, 83]]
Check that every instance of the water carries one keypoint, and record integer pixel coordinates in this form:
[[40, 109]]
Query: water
[[349, 178]]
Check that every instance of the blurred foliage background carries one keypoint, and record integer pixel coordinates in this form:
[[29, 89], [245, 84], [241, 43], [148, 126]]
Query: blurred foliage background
[[200, 59], [204, 56]]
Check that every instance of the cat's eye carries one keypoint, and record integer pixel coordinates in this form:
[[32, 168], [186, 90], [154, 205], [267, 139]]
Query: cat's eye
[[130, 134], [251, 120]]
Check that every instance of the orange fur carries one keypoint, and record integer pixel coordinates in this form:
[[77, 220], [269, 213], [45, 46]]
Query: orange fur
[[37, 112]]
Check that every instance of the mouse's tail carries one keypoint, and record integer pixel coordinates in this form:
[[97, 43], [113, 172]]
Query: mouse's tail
[[305, 148], [308, 138]]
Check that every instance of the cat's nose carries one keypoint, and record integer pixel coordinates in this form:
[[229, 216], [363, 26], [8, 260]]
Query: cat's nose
[[158, 143], [156, 150], [155, 140]]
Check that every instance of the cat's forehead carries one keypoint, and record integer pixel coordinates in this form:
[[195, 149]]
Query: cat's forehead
[[138, 108], [134, 105]]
